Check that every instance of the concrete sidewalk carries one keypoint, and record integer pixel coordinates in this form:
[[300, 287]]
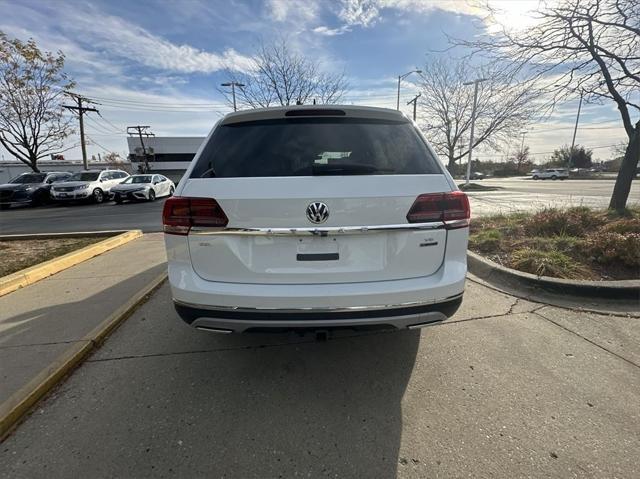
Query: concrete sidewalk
[[39, 324]]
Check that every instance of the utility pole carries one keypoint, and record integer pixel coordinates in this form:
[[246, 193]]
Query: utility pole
[[575, 130], [523, 133], [475, 82], [400, 78], [142, 130], [233, 85], [415, 104], [81, 110]]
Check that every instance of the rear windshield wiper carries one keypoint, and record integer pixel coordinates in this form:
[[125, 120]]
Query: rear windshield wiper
[[208, 173], [319, 169]]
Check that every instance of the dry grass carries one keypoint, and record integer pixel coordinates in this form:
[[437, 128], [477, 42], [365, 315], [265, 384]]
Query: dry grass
[[573, 243], [20, 254]]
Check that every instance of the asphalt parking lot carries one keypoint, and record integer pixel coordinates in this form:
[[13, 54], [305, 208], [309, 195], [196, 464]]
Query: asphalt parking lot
[[505, 388], [516, 194], [82, 217]]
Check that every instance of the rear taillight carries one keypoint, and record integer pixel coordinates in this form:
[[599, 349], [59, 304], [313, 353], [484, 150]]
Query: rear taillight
[[180, 214], [452, 208]]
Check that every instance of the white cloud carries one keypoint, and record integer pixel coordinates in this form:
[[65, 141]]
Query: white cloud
[[94, 38], [293, 10], [122, 38], [511, 13], [330, 32], [359, 12]]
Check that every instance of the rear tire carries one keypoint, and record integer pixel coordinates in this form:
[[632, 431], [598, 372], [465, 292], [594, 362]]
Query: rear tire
[[554, 177], [98, 196], [5, 207], [536, 177], [152, 195]]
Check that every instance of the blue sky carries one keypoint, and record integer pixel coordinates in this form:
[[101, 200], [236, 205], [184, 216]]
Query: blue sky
[[159, 63]]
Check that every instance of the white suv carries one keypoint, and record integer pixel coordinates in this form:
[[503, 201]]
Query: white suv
[[88, 185], [316, 217], [552, 173]]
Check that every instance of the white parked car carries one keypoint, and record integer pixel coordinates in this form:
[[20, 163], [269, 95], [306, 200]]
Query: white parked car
[[552, 173], [316, 217], [88, 185], [143, 187]]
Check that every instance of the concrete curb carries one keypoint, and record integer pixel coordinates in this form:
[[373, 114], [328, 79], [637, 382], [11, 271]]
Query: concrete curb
[[493, 272], [35, 273], [74, 234], [14, 408]]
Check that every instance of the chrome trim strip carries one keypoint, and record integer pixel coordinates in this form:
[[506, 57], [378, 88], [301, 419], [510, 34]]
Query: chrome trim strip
[[318, 310], [324, 231]]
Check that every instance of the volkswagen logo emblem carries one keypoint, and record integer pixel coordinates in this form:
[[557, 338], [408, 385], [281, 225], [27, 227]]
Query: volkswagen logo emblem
[[317, 212]]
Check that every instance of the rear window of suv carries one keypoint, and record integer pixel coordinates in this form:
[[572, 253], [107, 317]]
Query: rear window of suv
[[315, 146]]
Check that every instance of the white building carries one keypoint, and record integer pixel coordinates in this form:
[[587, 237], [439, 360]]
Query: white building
[[169, 155]]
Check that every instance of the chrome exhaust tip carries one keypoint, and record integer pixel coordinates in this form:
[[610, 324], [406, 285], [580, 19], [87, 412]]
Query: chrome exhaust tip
[[214, 330]]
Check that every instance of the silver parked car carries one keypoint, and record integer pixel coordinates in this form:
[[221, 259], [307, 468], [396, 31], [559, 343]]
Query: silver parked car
[[143, 187]]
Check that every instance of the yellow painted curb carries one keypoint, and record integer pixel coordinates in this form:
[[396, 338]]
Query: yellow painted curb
[[14, 408], [35, 273]]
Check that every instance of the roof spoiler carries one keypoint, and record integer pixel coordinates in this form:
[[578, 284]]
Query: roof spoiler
[[315, 112]]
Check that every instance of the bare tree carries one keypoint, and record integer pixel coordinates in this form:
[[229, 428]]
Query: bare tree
[[32, 85], [279, 76], [521, 158], [504, 106], [577, 46]]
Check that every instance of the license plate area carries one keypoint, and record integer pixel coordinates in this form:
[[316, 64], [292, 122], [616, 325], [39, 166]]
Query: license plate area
[[319, 246]]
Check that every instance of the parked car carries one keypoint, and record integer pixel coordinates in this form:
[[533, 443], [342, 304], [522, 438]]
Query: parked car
[[88, 185], [476, 175], [29, 188], [316, 217], [553, 173], [143, 187]]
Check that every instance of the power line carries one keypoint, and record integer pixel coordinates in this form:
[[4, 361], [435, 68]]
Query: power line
[[100, 127], [586, 146], [98, 144], [117, 128]]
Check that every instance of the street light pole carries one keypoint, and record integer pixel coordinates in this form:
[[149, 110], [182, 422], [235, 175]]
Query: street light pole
[[400, 78], [233, 86], [475, 82], [415, 104], [575, 130]]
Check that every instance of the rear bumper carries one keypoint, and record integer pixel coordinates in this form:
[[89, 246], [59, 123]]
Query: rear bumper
[[237, 320], [236, 307]]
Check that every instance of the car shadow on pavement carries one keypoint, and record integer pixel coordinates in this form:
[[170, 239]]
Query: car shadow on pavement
[[301, 408], [161, 399]]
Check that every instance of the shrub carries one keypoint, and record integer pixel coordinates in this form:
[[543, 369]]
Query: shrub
[[547, 263], [555, 222], [623, 226], [486, 240], [608, 248]]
